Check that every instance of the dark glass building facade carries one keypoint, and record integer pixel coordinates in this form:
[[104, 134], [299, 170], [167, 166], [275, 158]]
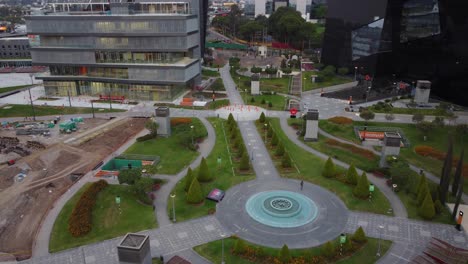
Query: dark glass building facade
[[402, 40]]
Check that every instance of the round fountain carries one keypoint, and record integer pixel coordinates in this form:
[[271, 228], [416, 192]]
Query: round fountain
[[281, 209]]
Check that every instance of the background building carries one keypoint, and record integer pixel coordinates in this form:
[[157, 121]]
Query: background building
[[260, 7], [405, 40], [280, 3], [147, 50], [14, 51]]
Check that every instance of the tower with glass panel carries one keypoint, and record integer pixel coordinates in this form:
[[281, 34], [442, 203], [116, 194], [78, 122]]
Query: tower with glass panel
[[147, 50]]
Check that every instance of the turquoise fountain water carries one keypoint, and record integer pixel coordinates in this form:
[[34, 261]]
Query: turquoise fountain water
[[281, 209]]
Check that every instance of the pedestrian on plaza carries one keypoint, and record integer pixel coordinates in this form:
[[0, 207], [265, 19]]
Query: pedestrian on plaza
[[302, 184]]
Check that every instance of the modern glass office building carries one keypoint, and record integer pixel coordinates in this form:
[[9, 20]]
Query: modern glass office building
[[147, 50], [402, 40]]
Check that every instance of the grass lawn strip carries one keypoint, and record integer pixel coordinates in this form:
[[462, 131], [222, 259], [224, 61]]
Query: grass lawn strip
[[366, 254], [25, 110], [310, 168], [13, 88], [278, 101], [309, 85], [174, 155], [224, 177], [107, 222]]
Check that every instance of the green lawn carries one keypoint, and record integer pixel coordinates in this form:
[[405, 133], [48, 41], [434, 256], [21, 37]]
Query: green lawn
[[12, 88], [212, 252], [409, 111], [308, 85], [436, 138], [224, 178], [25, 110], [278, 101], [310, 168], [107, 222], [208, 73], [175, 156], [409, 201], [218, 85], [279, 85]]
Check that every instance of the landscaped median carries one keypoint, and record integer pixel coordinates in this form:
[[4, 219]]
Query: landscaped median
[[223, 170], [238, 251], [107, 220], [308, 167], [16, 110]]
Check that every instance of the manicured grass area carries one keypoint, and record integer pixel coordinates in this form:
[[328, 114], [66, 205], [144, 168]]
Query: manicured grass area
[[310, 168], [308, 85], [409, 111], [12, 88], [218, 104], [25, 110], [175, 154], [225, 177], [218, 85], [366, 254], [279, 85], [278, 101], [436, 138], [107, 222], [209, 73], [409, 201]]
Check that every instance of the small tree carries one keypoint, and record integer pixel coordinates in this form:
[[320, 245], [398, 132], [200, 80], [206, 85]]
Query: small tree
[[271, 71], [418, 117], [255, 69], [425, 127], [422, 181], [328, 250], [188, 179], [423, 191], [274, 140], [328, 72], [359, 236], [362, 188], [283, 64], [438, 121], [390, 117], [129, 176], [204, 174], [352, 175], [241, 150], [343, 71], [286, 70], [194, 195], [284, 254], [367, 115], [286, 161], [239, 247], [152, 126], [230, 119], [427, 210], [262, 118], [279, 149], [329, 170], [439, 208], [244, 162]]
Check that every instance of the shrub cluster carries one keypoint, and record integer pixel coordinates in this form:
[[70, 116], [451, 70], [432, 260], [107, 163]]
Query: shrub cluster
[[356, 150], [341, 120], [144, 138], [80, 221], [428, 151], [180, 120]]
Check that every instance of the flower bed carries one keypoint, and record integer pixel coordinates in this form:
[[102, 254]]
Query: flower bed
[[362, 152], [180, 120], [341, 120]]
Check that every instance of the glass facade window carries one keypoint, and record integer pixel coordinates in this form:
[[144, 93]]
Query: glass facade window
[[138, 57], [365, 41], [121, 73], [420, 19]]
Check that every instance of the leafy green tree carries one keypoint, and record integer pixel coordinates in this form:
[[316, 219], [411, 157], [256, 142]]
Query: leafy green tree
[[194, 195], [249, 29], [279, 149], [284, 254], [283, 64], [286, 70], [362, 188], [424, 127], [286, 161], [239, 247], [244, 162], [390, 117], [343, 71], [262, 118], [188, 179], [438, 121], [328, 72], [204, 174], [274, 140], [129, 176], [367, 115], [255, 69], [328, 250], [152, 126], [418, 117], [352, 175], [359, 236], [329, 170], [320, 11], [271, 71], [427, 210]]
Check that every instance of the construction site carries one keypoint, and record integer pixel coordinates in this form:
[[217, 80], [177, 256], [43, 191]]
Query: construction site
[[37, 168]]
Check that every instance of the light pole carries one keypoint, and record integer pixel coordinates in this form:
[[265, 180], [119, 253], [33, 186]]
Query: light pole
[[381, 227], [191, 129], [222, 247], [355, 73], [266, 128], [31, 75], [367, 92], [173, 207]]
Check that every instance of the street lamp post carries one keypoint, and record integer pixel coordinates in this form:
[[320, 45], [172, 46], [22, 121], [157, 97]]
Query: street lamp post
[[355, 73], [381, 227], [191, 129], [31, 75], [173, 207], [222, 248], [266, 127], [367, 92], [251, 151]]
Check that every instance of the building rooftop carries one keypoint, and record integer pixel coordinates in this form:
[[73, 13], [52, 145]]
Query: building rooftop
[[134, 241]]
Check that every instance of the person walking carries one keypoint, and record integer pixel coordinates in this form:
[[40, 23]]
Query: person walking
[[302, 184]]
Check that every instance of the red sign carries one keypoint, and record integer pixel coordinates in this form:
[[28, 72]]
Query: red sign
[[367, 77], [293, 111]]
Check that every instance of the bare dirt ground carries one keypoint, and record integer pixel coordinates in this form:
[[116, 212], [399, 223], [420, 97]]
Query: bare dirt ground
[[24, 204]]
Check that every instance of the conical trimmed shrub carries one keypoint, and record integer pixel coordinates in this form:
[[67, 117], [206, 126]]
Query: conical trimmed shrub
[[239, 247], [244, 162], [423, 192], [204, 174], [359, 236], [188, 179], [274, 140], [352, 175], [328, 250], [241, 150], [362, 188], [284, 254], [194, 195], [262, 118], [422, 181], [230, 119], [286, 161], [427, 210], [279, 150], [329, 169]]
